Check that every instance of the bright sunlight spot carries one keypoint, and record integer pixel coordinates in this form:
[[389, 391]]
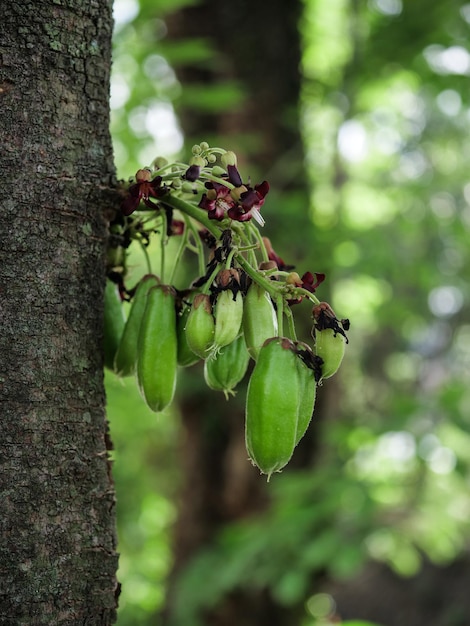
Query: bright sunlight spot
[[452, 60], [352, 141], [445, 301], [388, 7], [124, 11]]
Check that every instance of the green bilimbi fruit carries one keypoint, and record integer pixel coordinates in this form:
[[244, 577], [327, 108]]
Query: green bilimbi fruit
[[307, 395], [200, 326], [126, 355], [157, 348], [186, 356], [330, 346], [228, 367], [114, 322], [259, 319], [228, 312], [272, 406]]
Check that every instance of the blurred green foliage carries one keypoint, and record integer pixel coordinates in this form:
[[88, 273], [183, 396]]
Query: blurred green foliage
[[385, 113], [146, 479]]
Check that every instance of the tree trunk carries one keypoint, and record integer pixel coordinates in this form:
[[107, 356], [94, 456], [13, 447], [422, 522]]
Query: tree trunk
[[57, 552]]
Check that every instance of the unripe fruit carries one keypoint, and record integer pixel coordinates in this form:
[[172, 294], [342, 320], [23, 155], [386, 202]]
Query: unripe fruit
[[228, 312], [126, 355], [186, 356], [272, 406], [308, 391], [114, 322], [225, 370], [157, 348], [330, 346], [259, 319], [200, 326]]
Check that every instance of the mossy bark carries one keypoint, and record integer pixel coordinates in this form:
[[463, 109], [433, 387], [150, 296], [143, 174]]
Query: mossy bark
[[57, 546]]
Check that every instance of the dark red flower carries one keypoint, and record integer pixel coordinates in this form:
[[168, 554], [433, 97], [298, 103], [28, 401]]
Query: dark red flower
[[241, 203], [142, 191], [250, 204], [308, 281], [217, 201], [311, 281]]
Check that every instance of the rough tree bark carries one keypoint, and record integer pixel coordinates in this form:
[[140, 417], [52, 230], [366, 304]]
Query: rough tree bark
[[57, 546]]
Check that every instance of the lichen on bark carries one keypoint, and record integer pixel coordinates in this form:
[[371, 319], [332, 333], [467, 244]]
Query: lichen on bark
[[58, 550]]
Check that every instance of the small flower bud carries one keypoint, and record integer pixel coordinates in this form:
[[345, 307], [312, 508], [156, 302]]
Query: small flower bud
[[204, 145], [143, 176], [218, 171], [267, 266], [198, 160], [237, 192], [228, 158], [159, 162], [294, 279], [187, 187], [196, 149]]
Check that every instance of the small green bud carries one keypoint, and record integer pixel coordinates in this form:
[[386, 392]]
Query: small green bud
[[218, 171], [211, 158], [204, 145], [237, 192], [228, 158], [198, 160], [196, 149], [159, 162], [187, 187]]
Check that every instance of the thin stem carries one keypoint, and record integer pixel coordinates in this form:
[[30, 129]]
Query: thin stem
[[246, 242], [179, 254], [259, 239], [267, 284], [195, 212], [199, 248], [163, 242], [146, 255], [290, 322], [211, 279], [280, 314], [300, 291], [228, 262]]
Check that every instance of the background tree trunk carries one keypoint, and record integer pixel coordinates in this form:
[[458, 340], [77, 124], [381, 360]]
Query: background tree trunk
[[220, 486], [57, 552]]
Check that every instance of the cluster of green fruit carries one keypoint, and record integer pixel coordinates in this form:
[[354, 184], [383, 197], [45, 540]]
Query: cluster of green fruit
[[233, 312]]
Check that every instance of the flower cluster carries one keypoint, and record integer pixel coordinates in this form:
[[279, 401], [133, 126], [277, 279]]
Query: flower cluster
[[238, 304], [239, 202]]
